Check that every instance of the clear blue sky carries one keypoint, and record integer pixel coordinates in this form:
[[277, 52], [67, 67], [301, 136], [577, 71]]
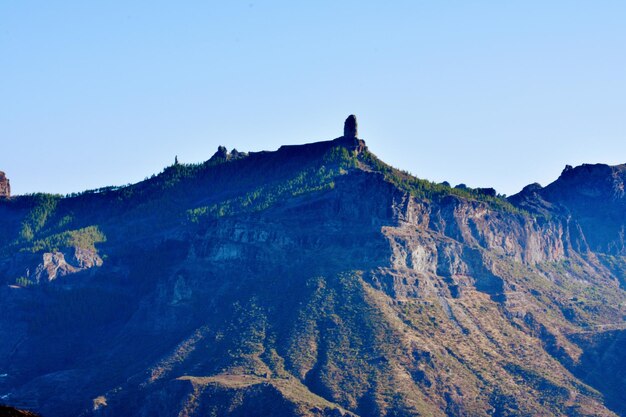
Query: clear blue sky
[[489, 93]]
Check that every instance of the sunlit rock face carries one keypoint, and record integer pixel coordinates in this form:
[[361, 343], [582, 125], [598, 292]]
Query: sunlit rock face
[[5, 186]]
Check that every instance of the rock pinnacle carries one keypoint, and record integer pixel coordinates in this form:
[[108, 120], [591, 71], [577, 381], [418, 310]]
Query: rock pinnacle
[[350, 127], [5, 186]]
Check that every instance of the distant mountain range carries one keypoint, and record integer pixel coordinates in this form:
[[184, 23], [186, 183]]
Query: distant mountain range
[[315, 280]]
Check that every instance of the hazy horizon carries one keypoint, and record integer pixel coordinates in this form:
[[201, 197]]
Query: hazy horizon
[[490, 95]]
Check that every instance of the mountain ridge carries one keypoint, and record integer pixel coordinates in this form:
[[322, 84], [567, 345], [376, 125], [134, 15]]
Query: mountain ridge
[[313, 280]]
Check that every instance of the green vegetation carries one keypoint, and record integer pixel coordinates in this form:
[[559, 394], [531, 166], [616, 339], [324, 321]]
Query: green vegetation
[[616, 264], [430, 190], [24, 282], [309, 180], [340, 156], [282, 179], [101, 190], [84, 238], [44, 206], [176, 173]]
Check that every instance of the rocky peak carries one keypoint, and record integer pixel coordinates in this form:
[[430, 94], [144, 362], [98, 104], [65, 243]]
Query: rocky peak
[[532, 188], [590, 181], [349, 138], [222, 154], [566, 169], [350, 127], [5, 186], [235, 154], [592, 196]]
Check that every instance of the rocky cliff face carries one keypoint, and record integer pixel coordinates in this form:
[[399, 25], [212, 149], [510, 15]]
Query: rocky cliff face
[[311, 281], [589, 197], [5, 186]]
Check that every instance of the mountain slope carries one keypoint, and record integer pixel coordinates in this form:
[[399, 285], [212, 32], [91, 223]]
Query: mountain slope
[[310, 281], [591, 195]]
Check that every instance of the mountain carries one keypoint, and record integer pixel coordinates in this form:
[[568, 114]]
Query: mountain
[[315, 280]]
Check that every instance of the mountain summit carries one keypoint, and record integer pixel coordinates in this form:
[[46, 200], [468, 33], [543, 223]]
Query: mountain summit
[[315, 280], [350, 129]]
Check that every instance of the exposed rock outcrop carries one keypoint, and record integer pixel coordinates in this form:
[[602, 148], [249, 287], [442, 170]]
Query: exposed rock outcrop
[[223, 155], [590, 197], [350, 127], [349, 139], [5, 186], [54, 264], [44, 267]]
